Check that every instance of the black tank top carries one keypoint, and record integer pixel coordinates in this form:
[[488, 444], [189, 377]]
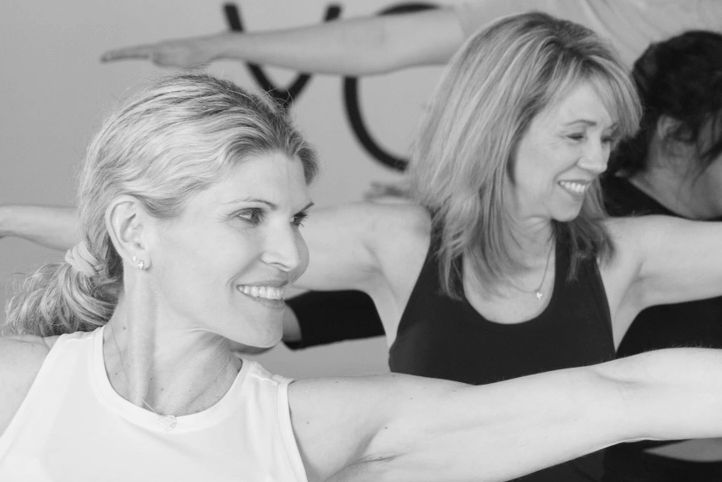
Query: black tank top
[[441, 337], [694, 323]]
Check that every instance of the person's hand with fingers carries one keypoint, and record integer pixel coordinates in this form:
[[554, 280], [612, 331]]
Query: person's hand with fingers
[[185, 53]]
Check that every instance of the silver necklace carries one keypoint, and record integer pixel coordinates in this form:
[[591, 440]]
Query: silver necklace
[[168, 421], [538, 290]]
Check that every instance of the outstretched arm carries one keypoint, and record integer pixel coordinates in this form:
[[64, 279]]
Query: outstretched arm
[[660, 260], [421, 429], [357, 46], [51, 226], [371, 45]]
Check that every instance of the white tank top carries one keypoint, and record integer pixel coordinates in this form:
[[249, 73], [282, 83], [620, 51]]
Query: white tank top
[[73, 427]]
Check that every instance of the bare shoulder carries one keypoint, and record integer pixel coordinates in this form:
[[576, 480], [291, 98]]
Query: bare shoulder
[[22, 353], [402, 229], [20, 360], [389, 220], [637, 237], [632, 237], [641, 229], [401, 242]]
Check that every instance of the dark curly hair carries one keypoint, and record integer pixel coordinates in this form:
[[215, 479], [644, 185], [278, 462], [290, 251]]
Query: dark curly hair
[[680, 78]]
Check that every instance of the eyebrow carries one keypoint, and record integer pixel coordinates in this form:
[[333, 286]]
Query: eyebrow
[[614, 126], [270, 205]]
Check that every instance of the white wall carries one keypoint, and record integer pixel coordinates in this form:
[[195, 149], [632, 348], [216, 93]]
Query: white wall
[[54, 92]]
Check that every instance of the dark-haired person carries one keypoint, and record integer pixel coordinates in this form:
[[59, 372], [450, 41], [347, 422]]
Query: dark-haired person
[[672, 167]]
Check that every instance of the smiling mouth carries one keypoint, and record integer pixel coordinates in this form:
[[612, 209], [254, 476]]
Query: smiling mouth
[[577, 188], [270, 293]]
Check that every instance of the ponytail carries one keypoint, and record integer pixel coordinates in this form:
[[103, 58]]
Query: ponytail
[[75, 295]]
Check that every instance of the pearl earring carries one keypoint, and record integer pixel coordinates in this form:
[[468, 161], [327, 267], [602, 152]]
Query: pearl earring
[[139, 263]]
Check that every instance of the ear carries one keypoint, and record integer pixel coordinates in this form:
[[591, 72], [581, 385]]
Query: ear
[[128, 224], [673, 148], [666, 126]]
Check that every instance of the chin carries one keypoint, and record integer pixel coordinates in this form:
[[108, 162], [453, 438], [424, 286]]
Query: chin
[[262, 339], [243, 349], [566, 219], [567, 215]]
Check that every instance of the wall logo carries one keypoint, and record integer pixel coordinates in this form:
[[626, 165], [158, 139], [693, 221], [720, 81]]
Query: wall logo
[[351, 85]]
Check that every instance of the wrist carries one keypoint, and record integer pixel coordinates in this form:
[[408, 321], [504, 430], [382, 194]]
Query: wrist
[[6, 216], [220, 46]]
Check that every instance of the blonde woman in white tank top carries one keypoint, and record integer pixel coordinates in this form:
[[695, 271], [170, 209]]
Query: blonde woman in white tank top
[[124, 366]]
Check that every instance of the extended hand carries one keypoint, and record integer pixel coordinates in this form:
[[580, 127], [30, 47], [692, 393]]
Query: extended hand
[[185, 53]]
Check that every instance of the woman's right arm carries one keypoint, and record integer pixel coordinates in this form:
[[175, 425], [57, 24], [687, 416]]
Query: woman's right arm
[[409, 428], [364, 246], [51, 226], [20, 360]]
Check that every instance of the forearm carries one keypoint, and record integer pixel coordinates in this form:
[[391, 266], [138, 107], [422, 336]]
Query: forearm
[[358, 46], [54, 227]]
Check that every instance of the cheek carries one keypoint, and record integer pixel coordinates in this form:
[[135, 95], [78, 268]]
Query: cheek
[[303, 257]]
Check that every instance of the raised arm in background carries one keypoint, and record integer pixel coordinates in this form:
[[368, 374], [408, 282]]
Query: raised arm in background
[[378, 44], [355, 46], [51, 226]]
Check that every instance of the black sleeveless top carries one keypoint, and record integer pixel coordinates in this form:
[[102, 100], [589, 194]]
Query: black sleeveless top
[[445, 338], [694, 323]]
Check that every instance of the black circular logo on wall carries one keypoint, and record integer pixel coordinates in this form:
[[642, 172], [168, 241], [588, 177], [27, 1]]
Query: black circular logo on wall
[[351, 89]]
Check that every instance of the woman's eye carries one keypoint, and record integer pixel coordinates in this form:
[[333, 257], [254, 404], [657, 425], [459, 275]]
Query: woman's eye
[[299, 218], [251, 215], [576, 137]]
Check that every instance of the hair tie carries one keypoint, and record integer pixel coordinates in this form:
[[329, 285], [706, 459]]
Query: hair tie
[[82, 260]]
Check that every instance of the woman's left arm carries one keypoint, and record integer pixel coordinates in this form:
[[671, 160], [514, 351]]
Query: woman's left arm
[[404, 428], [663, 259]]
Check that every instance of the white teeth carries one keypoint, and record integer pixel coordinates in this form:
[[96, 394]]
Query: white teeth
[[267, 292], [575, 187]]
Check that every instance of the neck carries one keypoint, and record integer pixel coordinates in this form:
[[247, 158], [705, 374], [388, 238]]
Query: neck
[[532, 241], [164, 370], [672, 190], [671, 179]]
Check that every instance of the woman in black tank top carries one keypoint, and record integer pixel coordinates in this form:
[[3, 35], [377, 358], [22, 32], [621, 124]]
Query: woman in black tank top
[[506, 264], [687, 89]]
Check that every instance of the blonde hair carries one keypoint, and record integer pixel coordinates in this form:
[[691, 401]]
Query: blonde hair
[[172, 139], [501, 78]]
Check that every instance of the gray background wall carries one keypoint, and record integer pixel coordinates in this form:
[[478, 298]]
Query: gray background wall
[[54, 93]]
